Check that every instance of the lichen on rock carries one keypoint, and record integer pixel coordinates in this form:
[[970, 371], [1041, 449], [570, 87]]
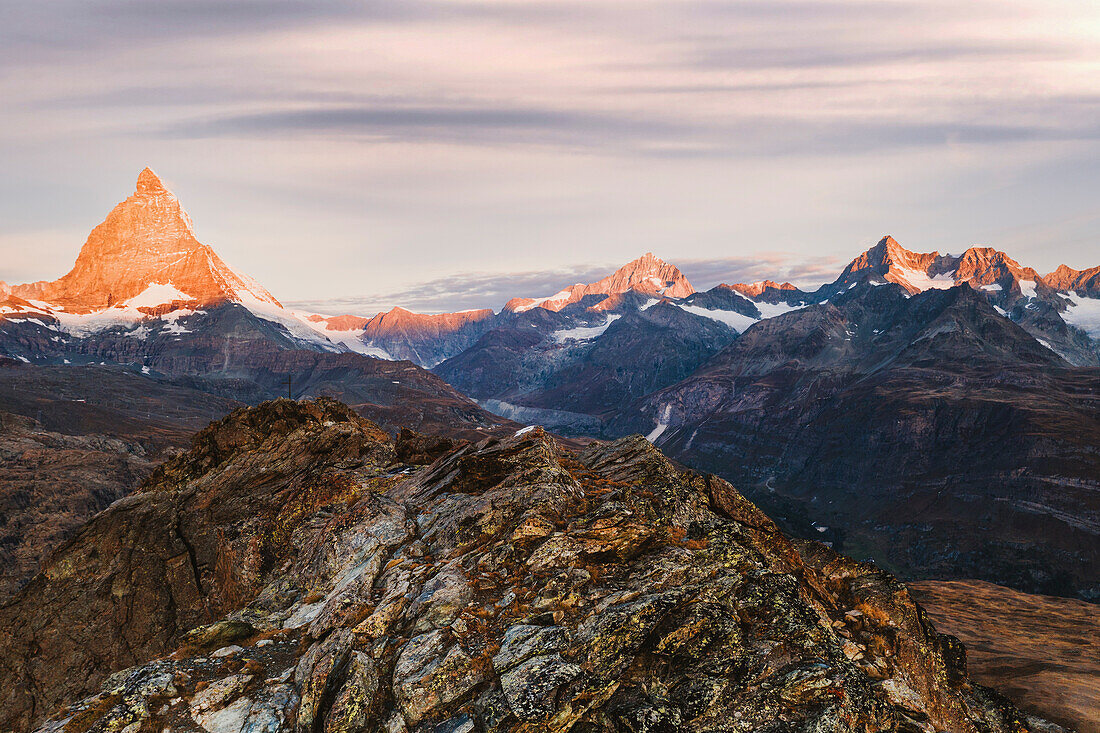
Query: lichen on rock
[[508, 585]]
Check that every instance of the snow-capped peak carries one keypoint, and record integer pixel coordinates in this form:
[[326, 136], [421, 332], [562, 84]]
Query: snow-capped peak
[[648, 274]]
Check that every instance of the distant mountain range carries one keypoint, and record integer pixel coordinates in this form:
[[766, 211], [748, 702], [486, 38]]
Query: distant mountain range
[[936, 412], [144, 292]]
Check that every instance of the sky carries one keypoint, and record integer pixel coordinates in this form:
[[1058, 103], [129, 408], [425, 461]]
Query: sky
[[444, 154]]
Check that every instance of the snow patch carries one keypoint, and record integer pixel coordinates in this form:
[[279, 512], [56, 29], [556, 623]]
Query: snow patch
[[992, 288], [584, 333], [921, 281], [771, 310], [662, 425], [737, 321], [524, 431], [1027, 287], [141, 332], [157, 294], [1084, 313]]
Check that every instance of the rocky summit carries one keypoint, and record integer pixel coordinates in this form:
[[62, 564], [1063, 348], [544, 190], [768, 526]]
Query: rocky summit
[[299, 570]]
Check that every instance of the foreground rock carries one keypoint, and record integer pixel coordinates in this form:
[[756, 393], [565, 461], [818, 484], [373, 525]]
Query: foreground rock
[[509, 585]]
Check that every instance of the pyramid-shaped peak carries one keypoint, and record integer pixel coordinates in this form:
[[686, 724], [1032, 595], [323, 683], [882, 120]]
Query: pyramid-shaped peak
[[149, 182], [145, 244], [888, 248]]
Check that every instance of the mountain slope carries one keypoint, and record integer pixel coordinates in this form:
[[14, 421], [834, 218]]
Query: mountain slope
[[304, 579], [569, 369], [927, 431], [1042, 651]]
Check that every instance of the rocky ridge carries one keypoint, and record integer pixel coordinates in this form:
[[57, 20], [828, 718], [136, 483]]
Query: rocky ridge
[[297, 574]]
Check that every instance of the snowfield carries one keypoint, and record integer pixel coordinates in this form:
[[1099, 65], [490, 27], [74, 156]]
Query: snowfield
[[1084, 313]]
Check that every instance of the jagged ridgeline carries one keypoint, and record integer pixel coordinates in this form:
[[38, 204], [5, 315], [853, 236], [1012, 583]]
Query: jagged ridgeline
[[299, 570]]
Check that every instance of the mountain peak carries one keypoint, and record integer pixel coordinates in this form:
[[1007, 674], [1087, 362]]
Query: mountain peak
[[891, 262], [648, 274], [146, 241], [149, 183], [1067, 278], [756, 289]]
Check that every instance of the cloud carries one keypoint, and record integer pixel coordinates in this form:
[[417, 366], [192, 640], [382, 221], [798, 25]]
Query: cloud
[[488, 135], [618, 134], [465, 291], [806, 272], [484, 125]]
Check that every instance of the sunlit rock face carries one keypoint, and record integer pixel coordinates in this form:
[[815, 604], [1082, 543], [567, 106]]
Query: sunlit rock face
[[648, 275], [146, 241]]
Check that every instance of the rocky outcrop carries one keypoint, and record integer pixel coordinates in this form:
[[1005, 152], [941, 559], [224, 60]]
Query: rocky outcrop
[[146, 241], [297, 577], [196, 541]]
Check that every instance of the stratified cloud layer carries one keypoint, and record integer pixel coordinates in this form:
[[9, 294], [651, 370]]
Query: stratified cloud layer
[[335, 148]]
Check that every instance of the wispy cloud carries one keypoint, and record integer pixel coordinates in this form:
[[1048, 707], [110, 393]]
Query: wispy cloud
[[462, 291], [468, 290], [483, 125], [807, 272]]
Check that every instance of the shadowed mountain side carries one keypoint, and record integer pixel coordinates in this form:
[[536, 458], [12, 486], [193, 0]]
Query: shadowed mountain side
[[593, 372], [929, 433]]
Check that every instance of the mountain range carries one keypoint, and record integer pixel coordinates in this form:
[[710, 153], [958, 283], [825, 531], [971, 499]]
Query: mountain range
[[450, 567], [935, 412]]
